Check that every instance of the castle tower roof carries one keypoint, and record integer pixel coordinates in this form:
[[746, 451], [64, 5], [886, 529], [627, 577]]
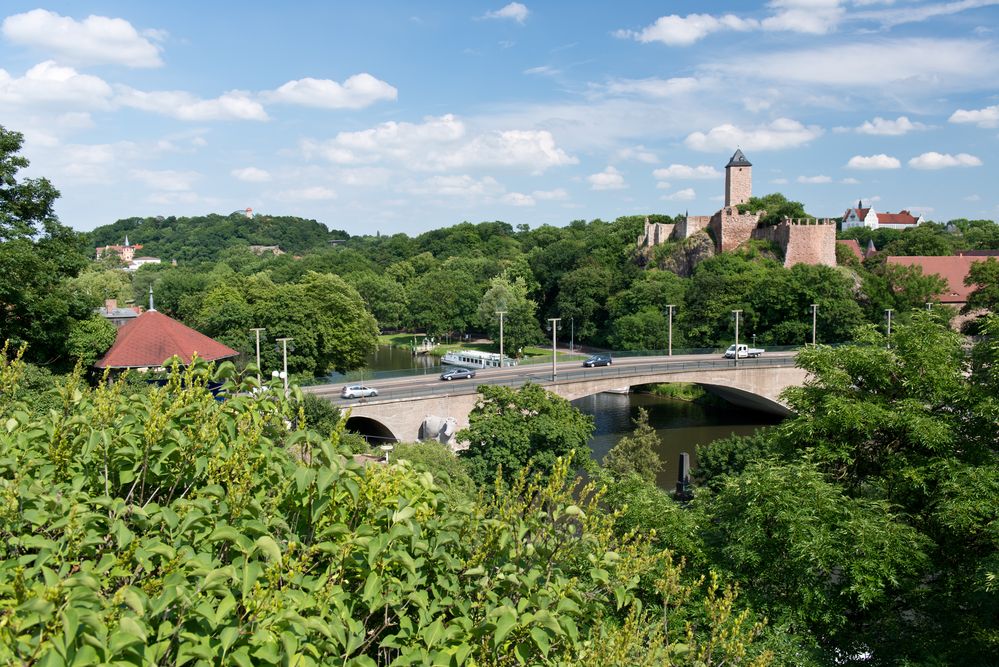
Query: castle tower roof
[[738, 160]]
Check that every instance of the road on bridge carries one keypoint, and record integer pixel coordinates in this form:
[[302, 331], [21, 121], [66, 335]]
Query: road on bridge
[[419, 386]]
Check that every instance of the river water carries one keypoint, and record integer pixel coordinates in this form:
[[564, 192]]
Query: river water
[[681, 425]]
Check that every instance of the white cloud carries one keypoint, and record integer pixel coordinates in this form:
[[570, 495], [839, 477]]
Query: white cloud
[[558, 194], [987, 117], [781, 133], [357, 92], [676, 30], [972, 198], [92, 41], [167, 180], [312, 193], [654, 87], [814, 180], [934, 160], [518, 199], [608, 179], [638, 153], [779, 181], [683, 171], [463, 185], [52, 85], [686, 194], [514, 11], [937, 64], [233, 105], [816, 17], [251, 175], [850, 181], [543, 70], [879, 161], [914, 14], [442, 143], [882, 126]]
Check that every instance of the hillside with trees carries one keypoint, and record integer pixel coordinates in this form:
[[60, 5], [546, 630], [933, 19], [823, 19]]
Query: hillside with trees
[[206, 237]]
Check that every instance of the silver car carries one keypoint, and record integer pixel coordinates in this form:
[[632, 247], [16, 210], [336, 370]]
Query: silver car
[[358, 391]]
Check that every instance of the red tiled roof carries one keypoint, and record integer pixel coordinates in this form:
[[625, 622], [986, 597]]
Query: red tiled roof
[[152, 338], [853, 245], [861, 212], [953, 269], [900, 218]]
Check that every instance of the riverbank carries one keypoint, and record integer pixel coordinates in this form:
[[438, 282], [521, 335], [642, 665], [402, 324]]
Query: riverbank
[[685, 391]]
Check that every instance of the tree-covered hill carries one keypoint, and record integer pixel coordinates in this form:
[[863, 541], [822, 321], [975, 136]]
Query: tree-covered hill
[[204, 237]]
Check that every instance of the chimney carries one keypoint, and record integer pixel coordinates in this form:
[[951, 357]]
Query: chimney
[[110, 305]]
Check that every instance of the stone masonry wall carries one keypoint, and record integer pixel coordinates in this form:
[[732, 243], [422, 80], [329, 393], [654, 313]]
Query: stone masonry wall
[[803, 243], [689, 226], [656, 233], [738, 185], [731, 229]]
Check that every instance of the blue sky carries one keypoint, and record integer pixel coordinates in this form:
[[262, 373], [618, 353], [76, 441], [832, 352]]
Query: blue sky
[[407, 116]]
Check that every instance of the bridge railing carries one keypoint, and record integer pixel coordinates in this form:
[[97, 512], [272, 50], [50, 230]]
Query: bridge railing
[[574, 374], [563, 357]]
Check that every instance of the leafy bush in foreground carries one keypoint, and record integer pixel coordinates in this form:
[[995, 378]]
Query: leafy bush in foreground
[[167, 527]]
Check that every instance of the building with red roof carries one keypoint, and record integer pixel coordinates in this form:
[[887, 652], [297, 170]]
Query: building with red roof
[[868, 217], [952, 268], [853, 246], [152, 338]]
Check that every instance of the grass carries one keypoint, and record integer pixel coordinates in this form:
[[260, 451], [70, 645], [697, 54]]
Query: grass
[[685, 391]]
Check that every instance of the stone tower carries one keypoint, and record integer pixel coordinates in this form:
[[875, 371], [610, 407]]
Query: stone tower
[[738, 180]]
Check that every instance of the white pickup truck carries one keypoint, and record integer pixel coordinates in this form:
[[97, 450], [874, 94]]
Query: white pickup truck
[[744, 351]]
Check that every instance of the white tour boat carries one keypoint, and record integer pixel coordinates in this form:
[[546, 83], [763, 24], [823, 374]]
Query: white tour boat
[[475, 359]]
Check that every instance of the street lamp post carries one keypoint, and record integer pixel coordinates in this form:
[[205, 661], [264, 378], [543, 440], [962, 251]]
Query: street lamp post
[[669, 340], [284, 348], [553, 323], [572, 335], [736, 355], [501, 313], [257, 331], [888, 310], [815, 308]]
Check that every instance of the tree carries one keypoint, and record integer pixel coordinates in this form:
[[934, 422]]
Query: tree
[[97, 286], [384, 297], [984, 276], [520, 323], [583, 296], [636, 454], [89, 339], [922, 240], [777, 207], [443, 301], [512, 428], [37, 255]]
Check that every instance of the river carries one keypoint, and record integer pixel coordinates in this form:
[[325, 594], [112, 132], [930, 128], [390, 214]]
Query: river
[[681, 425]]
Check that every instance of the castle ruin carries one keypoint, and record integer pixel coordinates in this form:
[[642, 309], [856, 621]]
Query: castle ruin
[[802, 241]]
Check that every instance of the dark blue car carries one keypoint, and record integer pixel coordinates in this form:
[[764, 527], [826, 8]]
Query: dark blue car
[[598, 360]]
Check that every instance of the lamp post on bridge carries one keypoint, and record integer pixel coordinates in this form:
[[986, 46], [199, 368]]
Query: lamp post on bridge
[[553, 323], [257, 331], [284, 345], [669, 341], [815, 308], [501, 313], [736, 356]]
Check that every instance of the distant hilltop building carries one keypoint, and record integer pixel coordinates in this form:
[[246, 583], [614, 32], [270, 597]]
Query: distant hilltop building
[[261, 249], [868, 217], [125, 252], [803, 241]]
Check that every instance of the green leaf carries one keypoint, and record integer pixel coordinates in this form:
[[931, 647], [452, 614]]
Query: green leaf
[[504, 624], [269, 547]]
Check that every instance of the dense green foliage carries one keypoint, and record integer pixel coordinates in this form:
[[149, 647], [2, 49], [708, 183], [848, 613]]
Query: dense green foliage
[[38, 256], [205, 237], [636, 454], [167, 527]]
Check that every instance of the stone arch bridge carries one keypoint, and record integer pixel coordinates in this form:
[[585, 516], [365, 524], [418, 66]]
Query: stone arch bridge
[[413, 408]]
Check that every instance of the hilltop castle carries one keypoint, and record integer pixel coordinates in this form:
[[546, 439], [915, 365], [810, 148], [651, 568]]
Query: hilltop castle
[[803, 241]]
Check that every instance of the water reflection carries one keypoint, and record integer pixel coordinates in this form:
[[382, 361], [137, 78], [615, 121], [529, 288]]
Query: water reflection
[[681, 425]]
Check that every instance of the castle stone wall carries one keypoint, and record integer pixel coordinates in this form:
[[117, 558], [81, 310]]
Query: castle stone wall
[[690, 225], [656, 233], [731, 229], [803, 242], [738, 185]]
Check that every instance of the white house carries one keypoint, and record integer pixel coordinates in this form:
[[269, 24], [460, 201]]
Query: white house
[[868, 217]]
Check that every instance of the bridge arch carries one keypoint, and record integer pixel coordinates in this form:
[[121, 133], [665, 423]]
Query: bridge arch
[[373, 430]]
